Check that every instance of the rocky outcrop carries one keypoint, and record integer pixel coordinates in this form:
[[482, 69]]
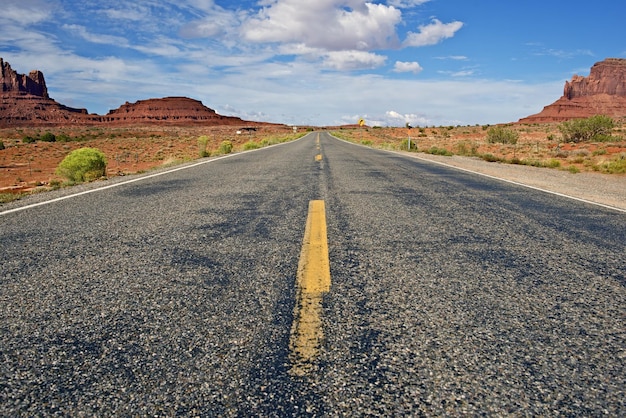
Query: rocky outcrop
[[21, 84], [24, 101], [602, 92], [168, 110]]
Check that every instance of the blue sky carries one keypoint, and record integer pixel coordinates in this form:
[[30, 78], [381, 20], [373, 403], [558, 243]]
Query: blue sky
[[317, 62]]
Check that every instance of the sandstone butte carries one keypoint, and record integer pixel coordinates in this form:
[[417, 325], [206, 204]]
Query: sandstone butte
[[25, 102], [603, 92]]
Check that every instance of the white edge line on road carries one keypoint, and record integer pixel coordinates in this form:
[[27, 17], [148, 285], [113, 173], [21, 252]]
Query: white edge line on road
[[492, 177], [161, 173]]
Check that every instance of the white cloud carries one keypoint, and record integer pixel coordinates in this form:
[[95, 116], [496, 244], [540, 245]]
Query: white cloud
[[407, 67], [332, 25], [393, 118], [432, 33], [405, 4], [353, 60], [95, 38], [26, 12], [133, 14], [453, 57]]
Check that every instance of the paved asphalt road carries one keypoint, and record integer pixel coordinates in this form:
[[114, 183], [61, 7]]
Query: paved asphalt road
[[451, 294]]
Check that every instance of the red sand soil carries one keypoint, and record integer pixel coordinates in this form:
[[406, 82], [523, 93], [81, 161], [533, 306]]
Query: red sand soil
[[539, 143], [24, 167]]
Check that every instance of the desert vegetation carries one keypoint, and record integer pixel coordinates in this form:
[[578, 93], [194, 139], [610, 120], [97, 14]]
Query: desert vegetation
[[83, 164], [595, 144], [29, 157]]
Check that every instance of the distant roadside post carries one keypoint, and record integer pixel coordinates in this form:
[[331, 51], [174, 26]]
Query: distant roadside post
[[408, 127]]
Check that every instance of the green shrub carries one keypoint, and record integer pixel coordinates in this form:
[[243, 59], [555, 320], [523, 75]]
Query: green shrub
[[2, 145], [251, 145], [226, 147], [617, 166], [29, 139], [595, 128], [439, 151], [501, 135], [552, 163], [83, 164], [490, 158], [467, 149], [48, 137], [405, 145], [202, 146], [54, 184]]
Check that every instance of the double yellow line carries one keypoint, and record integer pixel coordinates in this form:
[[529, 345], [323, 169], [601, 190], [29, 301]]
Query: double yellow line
[[313, 281]]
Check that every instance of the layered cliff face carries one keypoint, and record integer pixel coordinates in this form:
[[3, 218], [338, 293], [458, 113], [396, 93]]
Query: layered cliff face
[[602, 92], [21, 84], [24, 101], [170, 110]]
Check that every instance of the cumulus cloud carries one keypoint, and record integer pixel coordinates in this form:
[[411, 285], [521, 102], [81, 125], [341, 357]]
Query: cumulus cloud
[[407, 67], [329, 24], [432, 33], [353, 60], [393, 118]]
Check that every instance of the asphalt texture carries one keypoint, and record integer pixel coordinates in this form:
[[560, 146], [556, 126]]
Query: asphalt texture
[[452, 294]]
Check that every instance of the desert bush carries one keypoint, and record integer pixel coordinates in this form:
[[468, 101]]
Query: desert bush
[[502, 135], [48, 137], [617, 166], [439, 151], [490, 158], [552, 163], [29, 139], [202, 146], [226, 147], [2, 145], [595, 128], [251, 145], [466, 149], [405, 145], [83, 164]]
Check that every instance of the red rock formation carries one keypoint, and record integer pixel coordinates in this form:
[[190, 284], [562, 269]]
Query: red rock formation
[[25, 102], [168, 110], [18, 84], [602, 92]]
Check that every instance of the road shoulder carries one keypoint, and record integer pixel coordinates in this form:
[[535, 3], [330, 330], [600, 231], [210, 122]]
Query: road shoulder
[[603, 189]]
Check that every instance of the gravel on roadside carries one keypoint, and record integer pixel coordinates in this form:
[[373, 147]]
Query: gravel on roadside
[[605, 189]]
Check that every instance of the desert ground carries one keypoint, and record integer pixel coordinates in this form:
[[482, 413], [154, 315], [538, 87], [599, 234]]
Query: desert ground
[[30, 167]]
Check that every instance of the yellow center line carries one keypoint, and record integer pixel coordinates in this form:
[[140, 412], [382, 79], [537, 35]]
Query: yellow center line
[[313, 280]]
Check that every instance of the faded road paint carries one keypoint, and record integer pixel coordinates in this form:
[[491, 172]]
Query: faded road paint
[[313, 280]]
